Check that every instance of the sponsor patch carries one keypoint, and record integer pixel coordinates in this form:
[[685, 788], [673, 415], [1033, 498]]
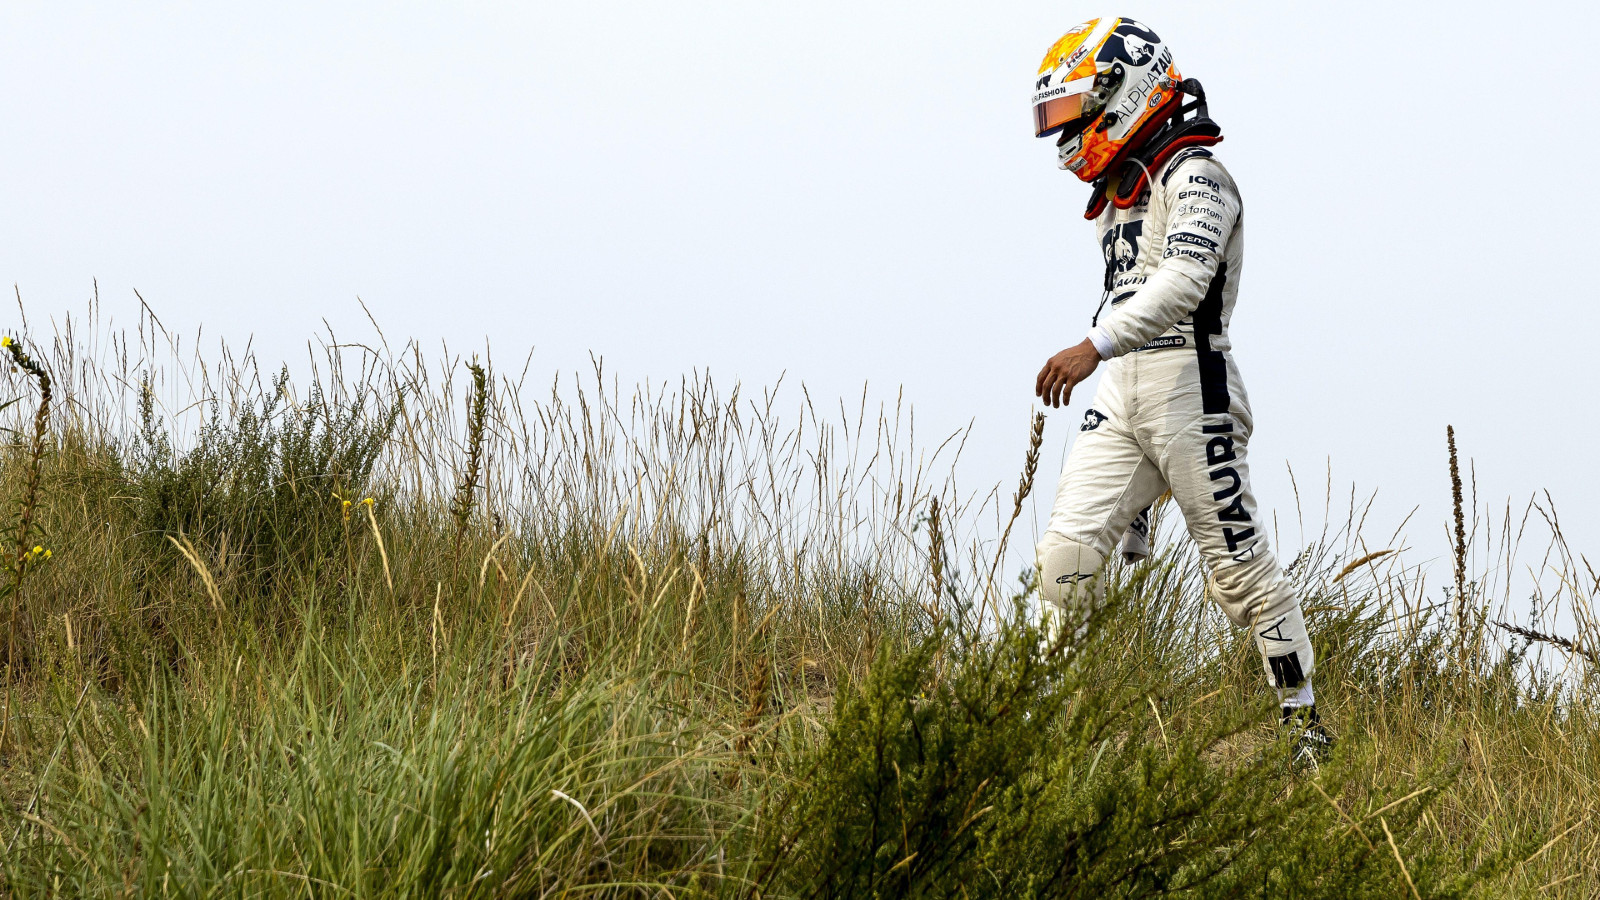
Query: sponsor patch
[[1091, 419], [1076, 57], [1185, 237]]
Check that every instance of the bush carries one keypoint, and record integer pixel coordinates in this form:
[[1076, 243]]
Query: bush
[[672, 647], [269, 489], [1007, 770]]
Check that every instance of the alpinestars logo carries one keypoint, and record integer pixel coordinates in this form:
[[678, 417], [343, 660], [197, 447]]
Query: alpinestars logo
[[1120, 245], [1075, 578], [1091, 420]]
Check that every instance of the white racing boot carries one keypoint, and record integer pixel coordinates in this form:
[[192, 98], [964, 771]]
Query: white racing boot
[[1310, 742]]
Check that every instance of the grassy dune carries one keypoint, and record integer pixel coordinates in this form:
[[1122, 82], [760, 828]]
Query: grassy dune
[[421, 629]]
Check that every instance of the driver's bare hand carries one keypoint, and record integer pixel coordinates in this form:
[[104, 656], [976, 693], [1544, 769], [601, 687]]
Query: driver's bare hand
[[1065, 371]]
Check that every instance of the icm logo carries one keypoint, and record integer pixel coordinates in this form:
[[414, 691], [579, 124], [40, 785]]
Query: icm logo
[[1091, 419], [1120, 245]]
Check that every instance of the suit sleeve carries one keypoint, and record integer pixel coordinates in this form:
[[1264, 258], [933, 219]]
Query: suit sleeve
[[1204, 207]]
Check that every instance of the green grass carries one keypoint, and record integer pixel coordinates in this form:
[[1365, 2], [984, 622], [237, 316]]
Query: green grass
[[684, 643]]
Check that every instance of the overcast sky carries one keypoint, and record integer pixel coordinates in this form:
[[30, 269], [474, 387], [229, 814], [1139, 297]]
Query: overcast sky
[[848, 192]]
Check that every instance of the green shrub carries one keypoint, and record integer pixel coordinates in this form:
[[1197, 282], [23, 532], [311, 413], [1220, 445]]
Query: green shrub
[[674, 648], [269, 488], [1004, 770]]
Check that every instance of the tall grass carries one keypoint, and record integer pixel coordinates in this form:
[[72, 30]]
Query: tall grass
[[377, 635]]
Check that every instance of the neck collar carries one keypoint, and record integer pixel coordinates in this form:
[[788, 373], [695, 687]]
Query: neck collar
[[1149, 152]]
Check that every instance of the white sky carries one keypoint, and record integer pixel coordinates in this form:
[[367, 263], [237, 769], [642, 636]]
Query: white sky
[[847, 192]]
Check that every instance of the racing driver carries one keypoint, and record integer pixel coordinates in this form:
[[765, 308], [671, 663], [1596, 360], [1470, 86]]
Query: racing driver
[[1171, 411]]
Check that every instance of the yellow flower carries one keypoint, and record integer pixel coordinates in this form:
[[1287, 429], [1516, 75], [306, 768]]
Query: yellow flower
[[47, 554], [5, 341], [37, 549], [346, 503], [367, 501]]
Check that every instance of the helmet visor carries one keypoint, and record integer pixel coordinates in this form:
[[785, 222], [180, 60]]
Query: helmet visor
[[1059, 113]]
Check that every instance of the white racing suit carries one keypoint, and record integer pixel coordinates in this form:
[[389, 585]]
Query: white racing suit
[[1171, 412]]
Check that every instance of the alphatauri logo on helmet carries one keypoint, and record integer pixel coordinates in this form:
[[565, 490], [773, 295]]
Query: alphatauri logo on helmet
[[1137, 93], [1132, 43], [1137, 50]]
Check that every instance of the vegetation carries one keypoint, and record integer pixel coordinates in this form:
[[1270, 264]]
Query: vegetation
[[394, 634]]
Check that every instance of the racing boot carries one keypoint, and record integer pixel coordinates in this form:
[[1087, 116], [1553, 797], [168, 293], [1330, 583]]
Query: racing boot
[[1309, 741]]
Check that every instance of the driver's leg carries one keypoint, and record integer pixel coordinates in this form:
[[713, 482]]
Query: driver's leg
[[1106, 480]]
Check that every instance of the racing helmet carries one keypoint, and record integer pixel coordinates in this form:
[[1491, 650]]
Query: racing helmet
[[1105, 87]]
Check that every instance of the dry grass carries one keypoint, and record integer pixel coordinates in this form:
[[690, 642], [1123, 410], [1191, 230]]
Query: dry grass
[[582, 638]]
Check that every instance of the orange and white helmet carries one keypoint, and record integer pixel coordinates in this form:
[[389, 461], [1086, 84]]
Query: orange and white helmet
[[1106, 86]]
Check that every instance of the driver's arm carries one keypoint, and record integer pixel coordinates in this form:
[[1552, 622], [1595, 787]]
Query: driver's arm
[[1205, 208]]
